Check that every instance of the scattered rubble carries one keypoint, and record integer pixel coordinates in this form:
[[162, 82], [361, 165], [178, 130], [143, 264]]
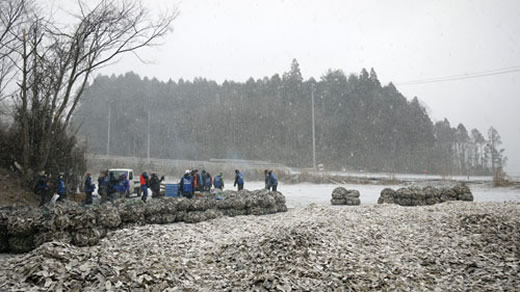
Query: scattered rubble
[[417, 196], [342, 196]]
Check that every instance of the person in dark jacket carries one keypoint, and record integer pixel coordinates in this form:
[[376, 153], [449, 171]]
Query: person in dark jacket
[[102, 185], [187, 185], [266, 177], [206, 181], [218, 182], [112, 186], [155, 185], [239, 180], [273, 181], [143, 180], [42, 187], [61, 190], [89, 188]]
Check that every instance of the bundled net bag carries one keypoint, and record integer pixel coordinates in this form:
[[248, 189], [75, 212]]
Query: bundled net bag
[[447, 194], [131, 212], [463, 192], [107, 216], [342, 196], [404, 197], [387, 196], [88, 236], [431, 195]]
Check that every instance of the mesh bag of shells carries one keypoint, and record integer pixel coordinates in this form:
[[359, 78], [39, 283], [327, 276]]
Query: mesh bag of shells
[[342, 196], [23, 229], [417, 196]]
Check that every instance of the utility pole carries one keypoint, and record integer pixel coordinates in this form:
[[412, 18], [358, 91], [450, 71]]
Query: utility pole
[[148, 148], [108, 127], [313, 132]]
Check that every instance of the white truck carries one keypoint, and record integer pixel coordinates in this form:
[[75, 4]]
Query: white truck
[[134, 180]]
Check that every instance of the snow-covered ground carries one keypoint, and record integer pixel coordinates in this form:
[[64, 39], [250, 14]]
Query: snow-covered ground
[[303, 194]]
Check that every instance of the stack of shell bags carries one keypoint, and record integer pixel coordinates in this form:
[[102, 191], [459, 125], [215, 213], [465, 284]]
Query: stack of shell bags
[[342, 196], [260, 202], [416, 196], [23, 229]]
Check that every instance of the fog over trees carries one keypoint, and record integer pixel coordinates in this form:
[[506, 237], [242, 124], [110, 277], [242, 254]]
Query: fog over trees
[[360, 124]]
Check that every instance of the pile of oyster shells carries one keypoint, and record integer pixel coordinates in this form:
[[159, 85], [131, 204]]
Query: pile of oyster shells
[[455, 246]]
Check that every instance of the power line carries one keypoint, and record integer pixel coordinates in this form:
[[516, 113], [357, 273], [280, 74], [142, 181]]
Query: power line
[[463, 76]]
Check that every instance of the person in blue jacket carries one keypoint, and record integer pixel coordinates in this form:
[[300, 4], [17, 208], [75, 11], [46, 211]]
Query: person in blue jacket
[[89, 188], [60, 188], [187, 186], [218, 182], [273, 181], [239, 180]]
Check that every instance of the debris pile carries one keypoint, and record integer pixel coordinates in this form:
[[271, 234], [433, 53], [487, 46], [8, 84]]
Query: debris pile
[[443, 247], [23, 229], [342, 196], [416, 196]]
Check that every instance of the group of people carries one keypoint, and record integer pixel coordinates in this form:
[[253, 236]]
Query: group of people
[[153, 183], [108, 185], [271, 182], [46, 186], [193, 181]]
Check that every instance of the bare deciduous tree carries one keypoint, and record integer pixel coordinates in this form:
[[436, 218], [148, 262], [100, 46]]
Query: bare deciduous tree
[[56, 64], [12, 15]]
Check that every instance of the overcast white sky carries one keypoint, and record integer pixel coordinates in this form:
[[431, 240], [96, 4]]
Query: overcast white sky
[[402, 40]]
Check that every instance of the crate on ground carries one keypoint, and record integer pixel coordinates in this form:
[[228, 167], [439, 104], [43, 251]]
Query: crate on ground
[[171, 190]]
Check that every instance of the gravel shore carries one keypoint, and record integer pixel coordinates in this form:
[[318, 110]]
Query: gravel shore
[[453, 246]]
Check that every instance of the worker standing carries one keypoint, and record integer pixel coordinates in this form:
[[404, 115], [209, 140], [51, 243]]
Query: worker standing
[[239, 180], [273, 181], [102, 185], [187, 185], [112, 186], [42, 187], [218, 182], [206, 179], [143, 180], [155, 185], [198, 183], [266, 177], [61, 190], [89, 188]]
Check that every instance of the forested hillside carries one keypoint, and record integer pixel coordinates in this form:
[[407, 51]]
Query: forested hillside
[[360, 124]]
